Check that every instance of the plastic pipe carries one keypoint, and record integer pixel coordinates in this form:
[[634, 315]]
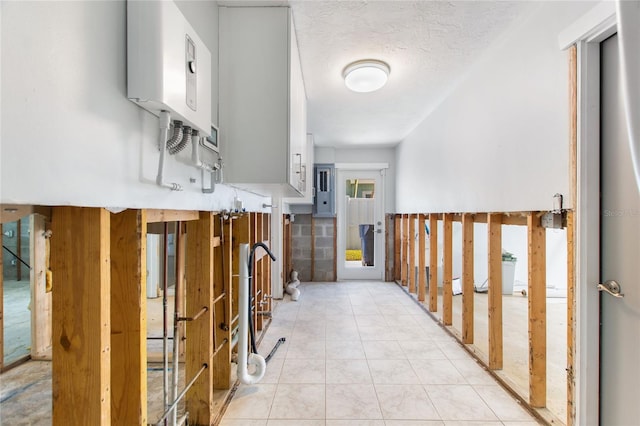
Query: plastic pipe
[[164, 120], [244, 357], [628, 13]]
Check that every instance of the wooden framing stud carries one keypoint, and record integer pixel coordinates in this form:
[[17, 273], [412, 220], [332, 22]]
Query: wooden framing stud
[[571, 320], [41, 308], [467, 279], [313, 248], [397, 247], [422, 269], [405, 248], [433, 262], [81, 371], [537, 311], [1, 304], [223, 284], [129, 317], [447, 282], [494, 221], [412, 253], [199, 294]]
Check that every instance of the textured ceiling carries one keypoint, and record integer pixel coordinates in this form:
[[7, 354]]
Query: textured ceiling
[[428, 45]]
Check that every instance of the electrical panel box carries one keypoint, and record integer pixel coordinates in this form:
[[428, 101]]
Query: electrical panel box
[[324, 188], [168, 64]]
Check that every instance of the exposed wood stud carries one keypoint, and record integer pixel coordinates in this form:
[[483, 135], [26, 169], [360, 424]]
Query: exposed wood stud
[[433, 262], [335, 249], [422, 269], [494, 221], [447, 282], [81, 371], [389, 248], [412, 253], [467, 279], [159, 215], [257, 274], [405, 249], [571, 320], [1, 304], [181, 232], [128, 317], [537, 312], [313, 248], [40, 298], [573, 125], [397, 247], [223, 284], [200, 346]]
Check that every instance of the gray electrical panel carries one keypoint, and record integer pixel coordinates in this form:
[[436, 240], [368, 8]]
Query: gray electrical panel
[[324, 189]]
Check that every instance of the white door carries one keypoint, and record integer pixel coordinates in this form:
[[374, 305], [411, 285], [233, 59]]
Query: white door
[[619, 255], [360, 232]]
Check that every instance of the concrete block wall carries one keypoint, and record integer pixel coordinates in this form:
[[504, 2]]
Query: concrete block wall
[[324, 253], [322, 257]]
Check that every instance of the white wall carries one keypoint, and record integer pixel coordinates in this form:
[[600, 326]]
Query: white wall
[[69, 134], [499, 142], [365, 155]]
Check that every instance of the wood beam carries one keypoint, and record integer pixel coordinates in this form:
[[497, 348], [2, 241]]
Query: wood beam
[[258, 276], [80, 262], [1, 304], [397, 247], [200, 346], [40, 299], [495, 291], [181, 267], [335, 249], [412, 253], [163, 215], [571, 318], [129, 317], [404, 275], [422, 270], [467, 279], [537, 312], [433, 262], [223, 284], [313, 248], [447, 282]]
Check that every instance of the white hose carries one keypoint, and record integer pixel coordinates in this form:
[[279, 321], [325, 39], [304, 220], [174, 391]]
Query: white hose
[[164, 120], [244, 357], [628, 41]]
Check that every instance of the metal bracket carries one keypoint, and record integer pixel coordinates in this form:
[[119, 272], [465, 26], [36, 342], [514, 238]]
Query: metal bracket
[[612, 287]]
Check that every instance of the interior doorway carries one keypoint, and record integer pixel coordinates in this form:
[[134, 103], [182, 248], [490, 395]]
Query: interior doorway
[[360, 224]]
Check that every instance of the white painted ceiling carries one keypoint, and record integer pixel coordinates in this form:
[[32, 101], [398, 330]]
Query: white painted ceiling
[[428, 44]]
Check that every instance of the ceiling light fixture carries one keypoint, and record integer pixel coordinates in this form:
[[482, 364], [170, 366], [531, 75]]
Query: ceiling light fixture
[[366, 76]]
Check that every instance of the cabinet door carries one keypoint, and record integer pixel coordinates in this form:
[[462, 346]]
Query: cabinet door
[[297, 115]]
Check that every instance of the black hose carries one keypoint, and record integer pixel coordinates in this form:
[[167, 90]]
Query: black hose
[[254, 348], [275, 348]]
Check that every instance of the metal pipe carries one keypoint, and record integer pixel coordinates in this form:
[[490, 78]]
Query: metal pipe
[[219, 298], [184, 391], [195, 317], [224, 342], [176, 323], [165, 325]]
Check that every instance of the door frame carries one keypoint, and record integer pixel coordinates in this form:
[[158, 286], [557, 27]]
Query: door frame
[[587, 33], [379, 251]]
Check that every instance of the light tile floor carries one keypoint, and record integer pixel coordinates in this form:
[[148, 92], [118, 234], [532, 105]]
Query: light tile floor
[[365, 354]]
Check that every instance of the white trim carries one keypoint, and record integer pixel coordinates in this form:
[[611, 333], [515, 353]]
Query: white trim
[[595, 25], [362, 166], [587, 335]]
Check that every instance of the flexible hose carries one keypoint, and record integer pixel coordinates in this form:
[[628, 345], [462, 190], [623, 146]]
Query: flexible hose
[[186, 139], [177, 135], [254, 348]]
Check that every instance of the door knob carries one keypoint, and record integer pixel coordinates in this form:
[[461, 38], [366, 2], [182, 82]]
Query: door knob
[[612, 287]]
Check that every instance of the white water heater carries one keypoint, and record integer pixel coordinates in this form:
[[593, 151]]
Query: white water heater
[[168, 65]]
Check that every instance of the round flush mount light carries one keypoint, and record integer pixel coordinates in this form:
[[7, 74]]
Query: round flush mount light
[[366, 76]]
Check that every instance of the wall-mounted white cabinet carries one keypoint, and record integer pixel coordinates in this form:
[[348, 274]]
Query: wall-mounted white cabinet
[[263, 116], [307, 187]]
